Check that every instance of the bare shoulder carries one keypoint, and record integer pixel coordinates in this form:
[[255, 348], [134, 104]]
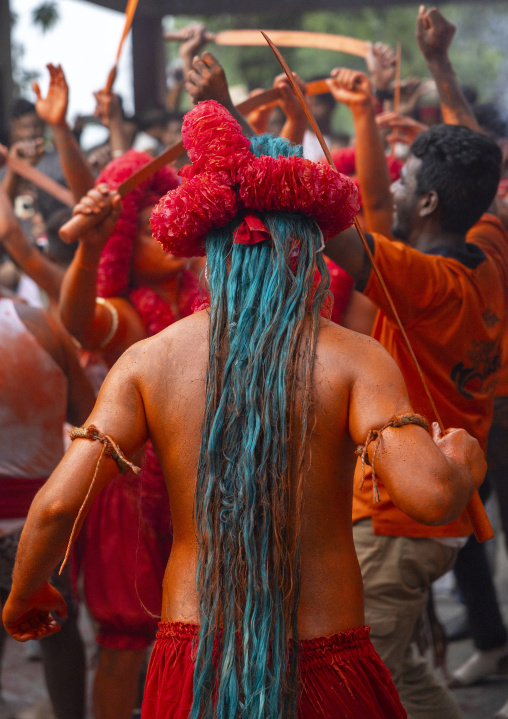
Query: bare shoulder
[[341, 349], [178, 346]]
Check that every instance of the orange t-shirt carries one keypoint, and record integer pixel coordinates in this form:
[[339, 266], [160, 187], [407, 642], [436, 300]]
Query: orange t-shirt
[[488, 243], [452, 305], [502, 377]]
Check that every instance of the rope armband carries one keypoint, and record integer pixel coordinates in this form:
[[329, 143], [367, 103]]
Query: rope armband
[[110, 449], [374, 435]]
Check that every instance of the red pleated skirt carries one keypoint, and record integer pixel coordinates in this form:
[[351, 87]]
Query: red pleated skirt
[[341, 677]]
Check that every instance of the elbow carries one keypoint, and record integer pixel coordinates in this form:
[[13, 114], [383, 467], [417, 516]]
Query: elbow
[[437, 506], [53, 512]]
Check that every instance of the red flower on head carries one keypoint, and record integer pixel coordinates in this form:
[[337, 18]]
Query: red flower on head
[[226, 178]]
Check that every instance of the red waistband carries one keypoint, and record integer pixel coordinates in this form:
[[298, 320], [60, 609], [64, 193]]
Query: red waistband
[[17, 495], [348, 639]]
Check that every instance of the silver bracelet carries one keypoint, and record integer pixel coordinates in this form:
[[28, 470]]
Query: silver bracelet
[[114, 320]]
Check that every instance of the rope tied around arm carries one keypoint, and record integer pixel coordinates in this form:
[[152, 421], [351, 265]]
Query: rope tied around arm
[[374, 435], [110, 449]]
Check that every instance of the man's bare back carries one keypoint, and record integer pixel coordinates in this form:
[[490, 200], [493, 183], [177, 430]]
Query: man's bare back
[[157, 390]]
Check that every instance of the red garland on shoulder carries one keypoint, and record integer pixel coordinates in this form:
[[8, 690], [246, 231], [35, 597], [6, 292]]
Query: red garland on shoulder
[[226, 178]]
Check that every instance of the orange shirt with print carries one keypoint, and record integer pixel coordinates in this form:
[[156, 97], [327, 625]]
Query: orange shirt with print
[[452, 305]]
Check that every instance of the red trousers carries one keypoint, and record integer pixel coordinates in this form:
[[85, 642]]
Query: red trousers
[[341, 677], [124, 552]]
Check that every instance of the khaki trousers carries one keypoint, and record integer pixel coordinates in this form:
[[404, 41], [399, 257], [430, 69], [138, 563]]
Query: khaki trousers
[[397, 573]]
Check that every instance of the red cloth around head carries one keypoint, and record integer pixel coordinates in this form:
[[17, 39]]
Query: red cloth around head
[[341, 677]]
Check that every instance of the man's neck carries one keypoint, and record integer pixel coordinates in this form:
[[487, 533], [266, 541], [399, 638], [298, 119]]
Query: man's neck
[[428, 241]]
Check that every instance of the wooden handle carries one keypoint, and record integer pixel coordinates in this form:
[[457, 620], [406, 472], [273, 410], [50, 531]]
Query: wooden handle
[[478, 517], [108, 87], [78, 224], [46, 183], [178, 36], [285, 38]]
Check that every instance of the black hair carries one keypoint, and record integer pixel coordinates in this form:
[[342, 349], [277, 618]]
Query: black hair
[[463, 167], [21, 107], [490, 119], [156, 116]]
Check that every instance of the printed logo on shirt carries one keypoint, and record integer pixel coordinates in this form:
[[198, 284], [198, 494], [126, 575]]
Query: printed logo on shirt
[[485, 359], [490, 318]]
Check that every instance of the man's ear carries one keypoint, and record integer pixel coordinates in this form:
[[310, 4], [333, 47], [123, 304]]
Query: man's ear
[[428, 203]]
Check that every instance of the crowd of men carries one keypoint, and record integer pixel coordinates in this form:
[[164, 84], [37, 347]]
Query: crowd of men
[[263, 476]]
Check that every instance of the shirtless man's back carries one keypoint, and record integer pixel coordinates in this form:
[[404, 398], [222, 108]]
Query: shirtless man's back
[[356, 387], [185, 389]]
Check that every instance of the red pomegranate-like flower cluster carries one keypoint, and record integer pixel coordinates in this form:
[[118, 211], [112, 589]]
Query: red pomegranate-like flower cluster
[[226, 178]]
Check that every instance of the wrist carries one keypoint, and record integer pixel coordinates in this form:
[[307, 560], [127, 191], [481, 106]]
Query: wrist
[[438, 62], [362, 108], [87, 258]]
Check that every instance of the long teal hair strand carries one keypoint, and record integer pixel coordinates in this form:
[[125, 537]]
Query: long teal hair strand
[[264, 319]]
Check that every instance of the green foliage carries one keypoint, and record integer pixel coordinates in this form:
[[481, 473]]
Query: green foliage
[[478, 51], [46, 15]]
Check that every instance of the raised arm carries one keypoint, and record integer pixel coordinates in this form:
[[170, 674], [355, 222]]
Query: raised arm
[[353, 89], [109, 111], [119, 412], [28, 150], [207, 81], [90, 322], [53, 109], [47, 274], [296, 120], [434, 35], [430, 479]]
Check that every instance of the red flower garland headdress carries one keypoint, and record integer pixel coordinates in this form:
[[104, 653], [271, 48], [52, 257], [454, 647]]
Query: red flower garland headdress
[[116, 258], [225, 178]]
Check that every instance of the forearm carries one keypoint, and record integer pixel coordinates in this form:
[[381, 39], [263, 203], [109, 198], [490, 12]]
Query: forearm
[[372, 171], [454, 106], [347, 251], [294, 129], [40, 269], [52, 515], [78, 310], [10, 183], [77, 171], [117, 137], [421, 480]]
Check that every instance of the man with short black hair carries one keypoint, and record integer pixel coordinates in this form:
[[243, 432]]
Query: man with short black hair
[[451, 297]]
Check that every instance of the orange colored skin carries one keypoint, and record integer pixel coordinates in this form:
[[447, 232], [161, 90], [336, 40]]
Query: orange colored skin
[[89, 322], [157, 390], [53, 110]]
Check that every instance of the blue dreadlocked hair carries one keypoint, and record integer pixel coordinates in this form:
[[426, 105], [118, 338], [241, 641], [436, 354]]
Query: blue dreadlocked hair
[[246, 511]]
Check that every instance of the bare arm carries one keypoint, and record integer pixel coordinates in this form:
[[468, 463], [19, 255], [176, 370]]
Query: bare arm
[[353, 89], [89, 322], [28, 150], [431, 479], [47, 274], [119, 412], [434, 35], [109, 111], [296, 120], [207, 81], [53, 109]]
